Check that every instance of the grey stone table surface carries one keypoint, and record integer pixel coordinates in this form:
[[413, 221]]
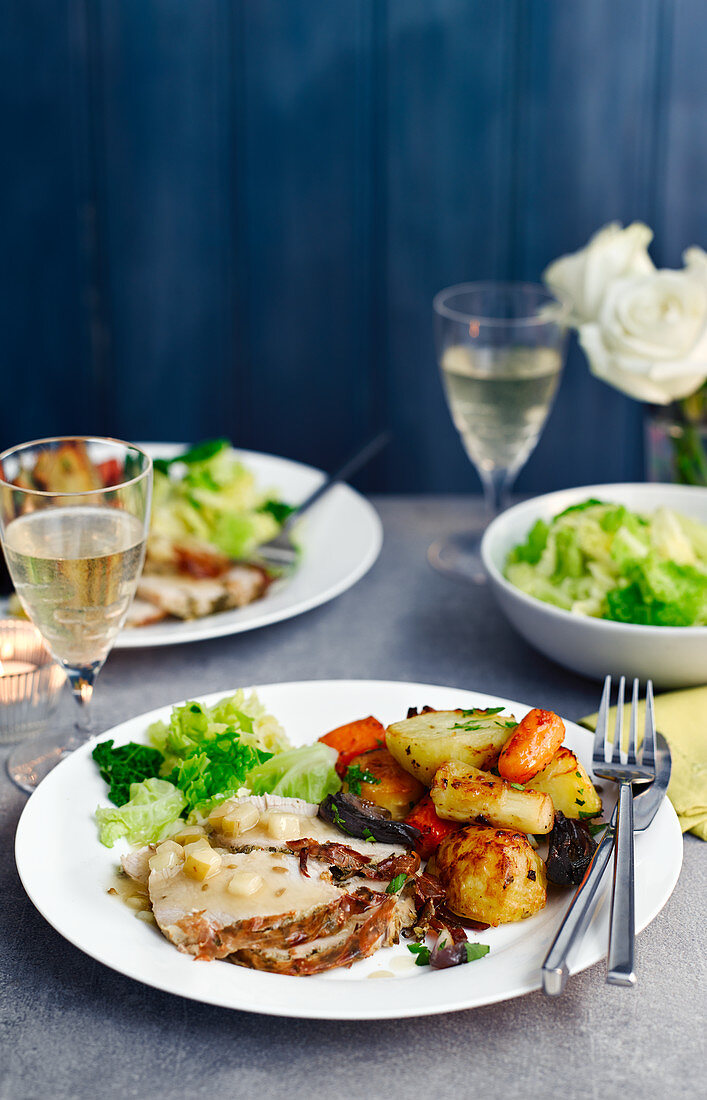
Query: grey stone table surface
[[70, 1027]]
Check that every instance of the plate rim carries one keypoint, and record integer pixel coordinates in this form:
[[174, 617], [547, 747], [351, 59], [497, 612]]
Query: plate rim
[[223, 624], [290, 1005]]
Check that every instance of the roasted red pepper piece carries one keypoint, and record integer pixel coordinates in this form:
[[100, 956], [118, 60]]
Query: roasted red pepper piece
[[433, 828]]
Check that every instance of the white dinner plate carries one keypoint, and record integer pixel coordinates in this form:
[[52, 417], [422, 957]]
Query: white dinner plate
[[67, 873], [341, 538]]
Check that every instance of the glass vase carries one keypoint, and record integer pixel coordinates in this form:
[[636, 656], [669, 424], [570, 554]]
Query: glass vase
[[676, 445]]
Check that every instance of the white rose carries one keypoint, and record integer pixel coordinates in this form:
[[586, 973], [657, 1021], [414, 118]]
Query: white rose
[[695, 260], [650, 339], [584, 276]]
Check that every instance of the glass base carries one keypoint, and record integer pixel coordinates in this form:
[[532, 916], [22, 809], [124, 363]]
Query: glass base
[[459, 556], [32, 760]]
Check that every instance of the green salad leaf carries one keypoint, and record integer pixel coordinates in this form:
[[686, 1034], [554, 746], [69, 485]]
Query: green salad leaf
[[148, 816], [195, 725], [210, 773], [307, 773], [207, 494], [604, 560]]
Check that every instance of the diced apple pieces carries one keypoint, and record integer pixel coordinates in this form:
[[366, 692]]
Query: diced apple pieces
[[238, 820], [245, 883], [284, 826], [201, 863], [188, 834], [168, 855]]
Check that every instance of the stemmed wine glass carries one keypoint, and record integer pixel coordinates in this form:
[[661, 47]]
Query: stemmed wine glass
[[74, 558], [501, 348]]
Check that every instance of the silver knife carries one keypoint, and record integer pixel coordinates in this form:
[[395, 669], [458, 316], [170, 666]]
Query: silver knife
[[554, 969]]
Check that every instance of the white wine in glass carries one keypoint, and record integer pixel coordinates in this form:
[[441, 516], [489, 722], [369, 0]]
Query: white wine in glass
[[74, 558], [501, 349]]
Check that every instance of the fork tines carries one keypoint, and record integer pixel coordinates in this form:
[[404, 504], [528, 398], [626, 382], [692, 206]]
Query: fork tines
[[608, 755]]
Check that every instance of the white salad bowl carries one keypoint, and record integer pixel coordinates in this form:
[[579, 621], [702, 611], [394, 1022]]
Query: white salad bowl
[[672, 657]]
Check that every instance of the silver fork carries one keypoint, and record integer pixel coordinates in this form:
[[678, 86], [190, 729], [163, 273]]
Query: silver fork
[[280, 551], [625, 773]]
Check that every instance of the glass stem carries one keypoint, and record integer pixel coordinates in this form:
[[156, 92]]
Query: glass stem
[[497, 486], [82, 682]]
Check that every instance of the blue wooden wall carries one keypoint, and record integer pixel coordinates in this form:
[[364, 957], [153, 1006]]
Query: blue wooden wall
[[230, 216]]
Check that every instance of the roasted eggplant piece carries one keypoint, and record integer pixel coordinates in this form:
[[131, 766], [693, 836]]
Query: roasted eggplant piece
[[358, 818], [570, 851]]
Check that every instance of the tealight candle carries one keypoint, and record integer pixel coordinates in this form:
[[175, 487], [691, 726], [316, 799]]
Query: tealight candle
[[11, 668], [30, 680]]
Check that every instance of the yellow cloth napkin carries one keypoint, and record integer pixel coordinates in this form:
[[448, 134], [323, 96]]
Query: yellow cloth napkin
[[681, 716]]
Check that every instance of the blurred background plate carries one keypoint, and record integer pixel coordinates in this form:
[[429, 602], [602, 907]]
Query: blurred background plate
[[341, 538]]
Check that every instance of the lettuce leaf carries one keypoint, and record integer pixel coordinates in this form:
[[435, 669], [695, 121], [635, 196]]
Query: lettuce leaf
[[194, 725], [148, 817], [214, 772], [307, 773]]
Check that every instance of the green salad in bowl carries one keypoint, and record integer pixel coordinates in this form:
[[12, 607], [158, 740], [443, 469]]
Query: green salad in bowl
[[605, 560]]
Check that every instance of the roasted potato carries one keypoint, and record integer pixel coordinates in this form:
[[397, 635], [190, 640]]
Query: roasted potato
[[491, 875], [422, 743], [461, 792], [570, 788], [390, 786]]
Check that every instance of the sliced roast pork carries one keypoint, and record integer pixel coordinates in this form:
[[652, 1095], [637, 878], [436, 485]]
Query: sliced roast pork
[[188, 597], [261, 901], [310, 828], [291, 894], [378, 926], [143, 613]]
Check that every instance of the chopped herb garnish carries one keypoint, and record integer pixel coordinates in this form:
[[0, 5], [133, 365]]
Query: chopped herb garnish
[[517, 786], [579, 801], [476, 951], [367, 835], [355, 776], [510, 725], [578, 774], [422, 952], [583, 814], [396, 884], [597, 827], [338, 820]]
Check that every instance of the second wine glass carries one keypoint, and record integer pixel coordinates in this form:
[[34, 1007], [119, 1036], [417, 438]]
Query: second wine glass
[[500, 348], [74, 557]]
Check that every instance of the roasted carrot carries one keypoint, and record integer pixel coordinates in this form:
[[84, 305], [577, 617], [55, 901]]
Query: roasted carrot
[[531, 746], [353, 739]]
